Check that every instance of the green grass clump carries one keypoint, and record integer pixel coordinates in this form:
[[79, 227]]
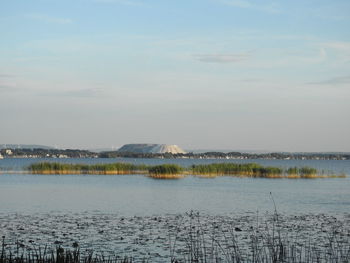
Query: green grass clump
[[307, 170], [61, 168], [248, 169], [165, 169], [169, 171], [293, 171], [303, 172]]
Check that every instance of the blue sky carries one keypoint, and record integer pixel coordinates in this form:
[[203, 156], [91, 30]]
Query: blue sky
[[219, 74]]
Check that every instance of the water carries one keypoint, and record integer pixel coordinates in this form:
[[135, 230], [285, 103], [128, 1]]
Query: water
[[337, 166], [139, 195], [135, 215]]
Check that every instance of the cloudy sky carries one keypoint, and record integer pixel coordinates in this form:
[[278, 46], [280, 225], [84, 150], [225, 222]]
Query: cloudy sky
[[203, 74]]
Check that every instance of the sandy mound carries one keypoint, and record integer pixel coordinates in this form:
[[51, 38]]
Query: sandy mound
[[151, 148]]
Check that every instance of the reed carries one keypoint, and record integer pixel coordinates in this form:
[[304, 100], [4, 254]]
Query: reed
[[234, 169], [58, 255], [268, 243], [173, 171], [198, 242], [256, 170], [61, 168], [165, 171]]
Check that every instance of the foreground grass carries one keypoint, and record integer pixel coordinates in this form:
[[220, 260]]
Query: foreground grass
[[173, 171], [198, 242]]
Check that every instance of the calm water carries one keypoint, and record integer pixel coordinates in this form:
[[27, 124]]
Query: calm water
[[140, 195]]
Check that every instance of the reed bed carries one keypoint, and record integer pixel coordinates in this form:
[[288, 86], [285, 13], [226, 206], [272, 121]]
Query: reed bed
[[173, 171], [166, 171], [62, 168], [267, 244], [256, 170], [58, 255]]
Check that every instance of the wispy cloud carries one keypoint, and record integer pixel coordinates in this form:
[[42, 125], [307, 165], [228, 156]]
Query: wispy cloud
[[341, 80], [253, 80], [319, 55], [221, 58], [332, 17], [3, 87], [2, 75], [123, 2], [49, 19], [338, 45], [340, 50], [239, 3], [268, 8], [82, 93], [333, 10], [7, 86]]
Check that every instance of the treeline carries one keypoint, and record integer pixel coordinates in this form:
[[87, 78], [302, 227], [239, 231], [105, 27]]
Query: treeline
[[165, 171], [230, 155], [47, 153], [76, 153]]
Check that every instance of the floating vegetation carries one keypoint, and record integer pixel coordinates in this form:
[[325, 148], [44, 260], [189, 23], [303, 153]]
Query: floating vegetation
[[174, 171], [187, 238]]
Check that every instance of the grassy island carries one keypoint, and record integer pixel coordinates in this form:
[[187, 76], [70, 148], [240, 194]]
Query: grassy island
[[247, 170], [257, 170], [108, 168], [173, 171], [166, 171]]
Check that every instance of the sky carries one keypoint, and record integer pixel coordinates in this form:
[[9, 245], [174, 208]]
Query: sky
[[202, 74]]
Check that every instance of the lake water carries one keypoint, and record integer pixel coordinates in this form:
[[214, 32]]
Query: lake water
[[137, 216], [139, 195]]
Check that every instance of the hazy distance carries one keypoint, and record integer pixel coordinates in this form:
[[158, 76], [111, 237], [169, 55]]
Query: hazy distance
[[211, 74]]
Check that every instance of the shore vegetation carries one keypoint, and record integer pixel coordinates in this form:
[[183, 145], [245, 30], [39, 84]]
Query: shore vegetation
[[174, 171], [192, 240], [166, 171], [65, 168]]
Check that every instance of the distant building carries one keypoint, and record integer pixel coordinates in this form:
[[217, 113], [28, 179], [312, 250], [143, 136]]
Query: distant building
[[151, 148]]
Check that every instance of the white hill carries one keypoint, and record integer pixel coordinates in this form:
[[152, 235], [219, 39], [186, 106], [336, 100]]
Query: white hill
[[151, 148]]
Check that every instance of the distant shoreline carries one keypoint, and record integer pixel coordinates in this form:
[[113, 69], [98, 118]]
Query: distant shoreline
[[76, 153]]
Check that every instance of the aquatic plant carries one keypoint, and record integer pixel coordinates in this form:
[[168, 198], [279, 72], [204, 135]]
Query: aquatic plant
[[62, 168], [199, 242], [248, 169], [307, 171], [57, 255], [167, 171], [268, 243]]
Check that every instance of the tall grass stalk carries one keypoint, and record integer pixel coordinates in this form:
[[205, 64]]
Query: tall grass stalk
[[171, 171]]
